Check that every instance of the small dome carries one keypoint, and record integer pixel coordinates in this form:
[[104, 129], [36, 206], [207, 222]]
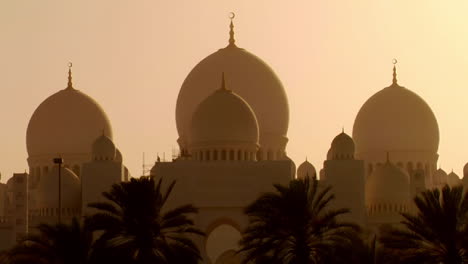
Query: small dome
[[387, 184], [342, 147], [306, 170], [465, 171], [224, 118], [453, 179], [67, 122], [47, 192], [395, 119], [104, 148], [440, 177]]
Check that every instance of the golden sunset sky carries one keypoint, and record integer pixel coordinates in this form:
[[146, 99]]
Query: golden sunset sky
[[132, 57]]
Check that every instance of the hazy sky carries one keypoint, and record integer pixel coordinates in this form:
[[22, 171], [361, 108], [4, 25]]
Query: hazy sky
[[132, 57]]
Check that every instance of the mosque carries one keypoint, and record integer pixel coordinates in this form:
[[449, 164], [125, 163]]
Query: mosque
[[232, 148]]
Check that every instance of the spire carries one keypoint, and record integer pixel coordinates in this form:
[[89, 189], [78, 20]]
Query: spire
[[232, 41], [223, 83], [70, 84], [394, 82]]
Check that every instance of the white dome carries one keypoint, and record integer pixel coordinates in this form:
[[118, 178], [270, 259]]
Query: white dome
[[395, 119], [329, 154], [67, 122], [118, 156], [250, 78], [306, 170], [224, 119], [465, 171], [387, 184], [453, 179], [104, 148], [47, 192], [342, 147]]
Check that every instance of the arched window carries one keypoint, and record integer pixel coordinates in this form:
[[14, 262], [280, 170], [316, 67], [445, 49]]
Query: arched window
[[231, 155], [215, 155], [223, 155], [239, 155]]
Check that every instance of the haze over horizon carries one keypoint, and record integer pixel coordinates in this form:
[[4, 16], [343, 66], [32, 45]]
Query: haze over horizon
[[132, 58]]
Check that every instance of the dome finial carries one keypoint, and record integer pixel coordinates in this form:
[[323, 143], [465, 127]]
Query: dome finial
[[70, 84], [223, 82], [394, 61], [232, 41]]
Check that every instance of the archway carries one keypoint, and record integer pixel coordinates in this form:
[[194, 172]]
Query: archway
[[222, 242]]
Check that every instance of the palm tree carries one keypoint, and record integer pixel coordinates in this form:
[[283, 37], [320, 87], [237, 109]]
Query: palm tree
[[295, 225], [367, 250], [57, 244], [135, 226], [438, 233]]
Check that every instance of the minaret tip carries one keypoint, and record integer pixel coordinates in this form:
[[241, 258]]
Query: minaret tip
[[70, 84], [395, 82], [232, 41]]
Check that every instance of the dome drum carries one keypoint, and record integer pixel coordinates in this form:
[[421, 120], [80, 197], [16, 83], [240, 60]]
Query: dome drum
[[224, 154]]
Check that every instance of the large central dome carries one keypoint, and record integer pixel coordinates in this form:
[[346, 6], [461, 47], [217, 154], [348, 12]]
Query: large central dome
[[251, 78], [67, 122], [395, 119]]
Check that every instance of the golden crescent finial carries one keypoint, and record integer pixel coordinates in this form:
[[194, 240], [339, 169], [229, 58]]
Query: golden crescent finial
[[70, 85], [232, 15], [394, 61]]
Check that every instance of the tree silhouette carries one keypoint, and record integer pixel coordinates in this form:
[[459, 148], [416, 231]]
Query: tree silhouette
[[54, 244], [135, 227], [437, 234], [295, 225]]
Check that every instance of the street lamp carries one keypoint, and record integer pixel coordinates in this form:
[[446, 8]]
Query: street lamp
[[59, 162]]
